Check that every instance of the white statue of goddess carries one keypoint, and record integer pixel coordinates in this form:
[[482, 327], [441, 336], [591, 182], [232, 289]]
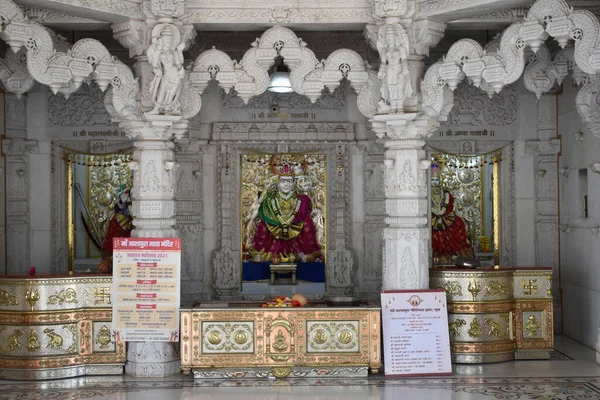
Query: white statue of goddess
[[396, 86], [166, 57]]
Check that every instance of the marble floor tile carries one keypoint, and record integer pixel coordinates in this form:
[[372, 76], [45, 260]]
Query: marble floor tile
[[562, 379]]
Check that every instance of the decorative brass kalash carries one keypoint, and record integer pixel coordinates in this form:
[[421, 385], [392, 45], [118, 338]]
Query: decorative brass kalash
[[497, 314], [57, 327], [284, 337]]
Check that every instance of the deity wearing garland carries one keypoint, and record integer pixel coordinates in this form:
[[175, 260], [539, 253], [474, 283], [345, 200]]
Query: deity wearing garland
[[285, 226]]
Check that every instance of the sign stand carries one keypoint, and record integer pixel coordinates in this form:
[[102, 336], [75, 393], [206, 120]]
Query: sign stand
[[415, 333], [146, 289]]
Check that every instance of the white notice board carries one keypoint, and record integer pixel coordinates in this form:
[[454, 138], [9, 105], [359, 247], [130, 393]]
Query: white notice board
[[146, 289], [415, 332]]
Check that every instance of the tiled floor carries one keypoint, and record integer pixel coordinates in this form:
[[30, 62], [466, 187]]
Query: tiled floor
[[560, 379]]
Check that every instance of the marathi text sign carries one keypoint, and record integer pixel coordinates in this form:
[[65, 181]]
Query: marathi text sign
[[146, 288], [415, 332]]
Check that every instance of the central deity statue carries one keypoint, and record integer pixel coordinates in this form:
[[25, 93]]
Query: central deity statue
[[285, 225]]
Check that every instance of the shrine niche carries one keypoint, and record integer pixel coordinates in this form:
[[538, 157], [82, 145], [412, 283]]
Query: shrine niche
[[319, 174], [283, 211], [90, 181], [99, 202], [472, 202], [462, 207]]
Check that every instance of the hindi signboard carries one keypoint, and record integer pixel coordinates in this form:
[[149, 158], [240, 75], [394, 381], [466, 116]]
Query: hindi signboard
[[146, 288], [415, 332]]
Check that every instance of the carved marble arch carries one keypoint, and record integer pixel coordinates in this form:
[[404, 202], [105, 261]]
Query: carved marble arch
[[308, 76], [58, 192], [65, 71], [504, 62], [508, 221]]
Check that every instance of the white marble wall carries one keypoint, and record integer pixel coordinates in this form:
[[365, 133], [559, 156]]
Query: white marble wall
[[580, 243]]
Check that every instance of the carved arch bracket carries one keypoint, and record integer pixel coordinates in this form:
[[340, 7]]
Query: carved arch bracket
[[308, 76], [65, 71], [504, 63], [543, 72]]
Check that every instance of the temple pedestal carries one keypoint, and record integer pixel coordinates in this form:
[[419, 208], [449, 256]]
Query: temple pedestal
[[497, 314], [242, 340]]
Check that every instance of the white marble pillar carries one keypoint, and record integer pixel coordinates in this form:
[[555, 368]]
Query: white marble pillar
[[153, 208], [406, 237], [189, 216], [545, 150]]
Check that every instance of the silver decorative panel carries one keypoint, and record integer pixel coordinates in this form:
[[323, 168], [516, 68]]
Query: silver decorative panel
[[332, 337], [228, 337]]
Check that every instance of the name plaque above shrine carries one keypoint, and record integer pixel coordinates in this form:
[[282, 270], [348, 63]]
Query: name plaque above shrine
[[146, 288], [415, 331]]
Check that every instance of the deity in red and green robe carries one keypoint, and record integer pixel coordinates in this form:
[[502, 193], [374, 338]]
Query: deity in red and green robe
[[449, 237], [285, 225]]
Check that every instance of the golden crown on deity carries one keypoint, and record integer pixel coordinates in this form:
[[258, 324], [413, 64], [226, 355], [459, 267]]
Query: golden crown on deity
[[288, 164]]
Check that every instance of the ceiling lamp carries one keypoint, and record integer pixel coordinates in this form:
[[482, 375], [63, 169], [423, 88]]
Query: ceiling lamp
[[279, 81]]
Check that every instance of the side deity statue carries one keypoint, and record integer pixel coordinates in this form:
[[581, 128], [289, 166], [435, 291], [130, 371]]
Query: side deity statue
[[284, 212], [449, 238], [392, 45], [121, 223], [165, 55]]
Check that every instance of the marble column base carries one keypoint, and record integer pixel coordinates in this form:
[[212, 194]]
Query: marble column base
[[152, 359]]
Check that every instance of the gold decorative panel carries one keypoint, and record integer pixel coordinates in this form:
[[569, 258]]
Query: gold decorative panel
[[54, 294], [497, 315], [334, 337], [275, 342], [479, 327], [531, 284], [534, 324], [228, 337], [102, 336], [473, 285]]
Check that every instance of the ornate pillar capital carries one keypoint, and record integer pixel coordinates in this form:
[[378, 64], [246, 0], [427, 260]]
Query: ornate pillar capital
[[19, 147], [396, 129], [543, 147], [424, 34], [134, 35]]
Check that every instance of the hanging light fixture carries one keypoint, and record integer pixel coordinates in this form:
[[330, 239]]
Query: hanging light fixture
[[279, 81]]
